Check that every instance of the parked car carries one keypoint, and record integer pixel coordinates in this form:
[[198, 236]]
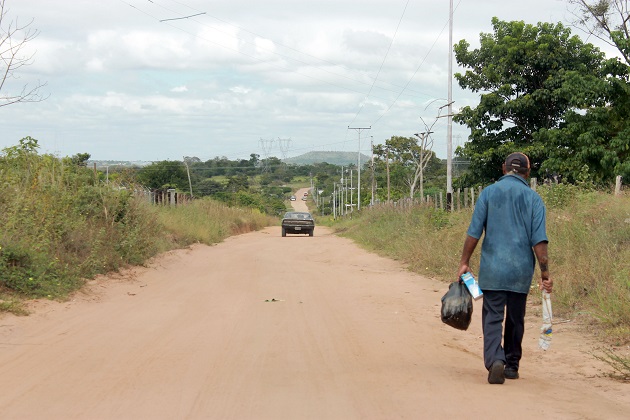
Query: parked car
[[292, 198], [298, 222], [304, 198]]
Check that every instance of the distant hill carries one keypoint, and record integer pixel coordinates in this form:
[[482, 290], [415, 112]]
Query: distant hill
[[333, 158]]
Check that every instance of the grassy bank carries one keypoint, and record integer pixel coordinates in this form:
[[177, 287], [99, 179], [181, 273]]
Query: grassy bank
[[61, 225], [51, 252], [207, 221], [589, 250]]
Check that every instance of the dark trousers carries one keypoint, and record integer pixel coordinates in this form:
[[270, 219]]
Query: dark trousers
[[495, 305]]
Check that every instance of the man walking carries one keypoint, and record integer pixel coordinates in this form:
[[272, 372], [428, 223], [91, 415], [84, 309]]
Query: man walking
[[512, 218]]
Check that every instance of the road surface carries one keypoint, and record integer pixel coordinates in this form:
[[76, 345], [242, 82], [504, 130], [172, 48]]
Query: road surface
[[265, 327]]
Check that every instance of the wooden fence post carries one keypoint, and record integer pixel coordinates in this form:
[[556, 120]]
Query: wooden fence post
[[441, 202], [618, 186], [472, 197], [458, 204], [532, 183]]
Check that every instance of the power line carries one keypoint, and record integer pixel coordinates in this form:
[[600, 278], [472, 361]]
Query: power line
[[183, 17], [417, 69], [382, 63]]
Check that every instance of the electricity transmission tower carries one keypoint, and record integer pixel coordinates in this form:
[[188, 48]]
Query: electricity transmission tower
[[284, 145], [266, 146]]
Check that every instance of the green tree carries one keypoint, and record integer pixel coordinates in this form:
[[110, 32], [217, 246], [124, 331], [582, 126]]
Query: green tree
[[601, 149], [80, 159], [593, 145], [237, 183], [208, 186], [528, 77], [164, 174]]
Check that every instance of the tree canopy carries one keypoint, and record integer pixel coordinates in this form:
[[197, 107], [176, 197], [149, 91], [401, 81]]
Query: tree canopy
[[530, 78]]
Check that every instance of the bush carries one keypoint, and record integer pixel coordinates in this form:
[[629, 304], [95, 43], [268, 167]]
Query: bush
[[61, 226]]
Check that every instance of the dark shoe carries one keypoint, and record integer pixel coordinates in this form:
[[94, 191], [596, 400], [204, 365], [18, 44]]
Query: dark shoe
[[510, 373], [496, 376]]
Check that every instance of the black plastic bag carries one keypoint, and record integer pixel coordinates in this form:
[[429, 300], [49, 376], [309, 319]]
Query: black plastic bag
[[457, 306]]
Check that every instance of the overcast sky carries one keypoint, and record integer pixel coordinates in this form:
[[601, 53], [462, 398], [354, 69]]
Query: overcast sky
[[127, 80]]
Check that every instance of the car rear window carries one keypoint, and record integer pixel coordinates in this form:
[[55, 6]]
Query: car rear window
[[297, 216]]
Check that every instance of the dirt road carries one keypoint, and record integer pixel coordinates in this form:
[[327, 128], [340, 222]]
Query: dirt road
[[265, 327]]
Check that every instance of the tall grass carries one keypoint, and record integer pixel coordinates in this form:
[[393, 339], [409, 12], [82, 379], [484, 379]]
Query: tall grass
[[589, 249], [207, 221]]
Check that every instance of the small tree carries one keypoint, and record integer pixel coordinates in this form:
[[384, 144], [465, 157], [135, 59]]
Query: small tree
[[13, 39], [408, 159]]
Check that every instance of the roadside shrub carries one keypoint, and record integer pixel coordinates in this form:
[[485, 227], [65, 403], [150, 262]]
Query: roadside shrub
[[32, 273], [558, 195]]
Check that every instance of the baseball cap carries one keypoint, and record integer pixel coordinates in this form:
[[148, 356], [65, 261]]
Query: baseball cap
[[517, 162]]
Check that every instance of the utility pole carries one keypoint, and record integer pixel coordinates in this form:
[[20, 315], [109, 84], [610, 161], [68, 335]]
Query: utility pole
[[333, 201], [189, 181], [359, 162], [387, 161], [373, 178], [351, 194], [342, 189], [449, 135]]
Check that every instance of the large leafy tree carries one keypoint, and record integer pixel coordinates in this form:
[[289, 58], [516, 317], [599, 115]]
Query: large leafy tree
[[521, 72]]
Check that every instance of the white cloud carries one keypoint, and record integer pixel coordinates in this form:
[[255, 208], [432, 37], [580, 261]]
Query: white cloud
[[240, 90]]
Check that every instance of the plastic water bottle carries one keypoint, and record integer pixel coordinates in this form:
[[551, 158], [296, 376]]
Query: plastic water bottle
[[544, 342]]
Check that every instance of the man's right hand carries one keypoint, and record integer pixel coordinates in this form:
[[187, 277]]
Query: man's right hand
[[546, 285], [463, 268]]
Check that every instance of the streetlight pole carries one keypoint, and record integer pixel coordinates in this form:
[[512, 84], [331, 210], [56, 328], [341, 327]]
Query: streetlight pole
[[359, 163]]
